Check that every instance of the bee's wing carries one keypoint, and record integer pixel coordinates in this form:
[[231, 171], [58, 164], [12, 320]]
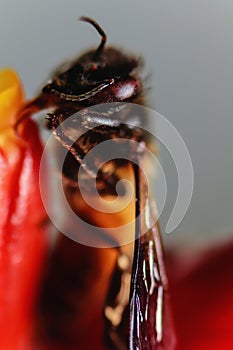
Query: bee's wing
[[150, 324]]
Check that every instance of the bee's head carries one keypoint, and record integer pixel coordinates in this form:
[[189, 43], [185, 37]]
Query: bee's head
[[100, 75]]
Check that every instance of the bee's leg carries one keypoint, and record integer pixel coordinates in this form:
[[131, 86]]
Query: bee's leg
[[55, 123], [105, 181], [134, 297], [29, 108]]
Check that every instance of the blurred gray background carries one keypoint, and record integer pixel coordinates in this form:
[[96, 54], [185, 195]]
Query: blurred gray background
[[188, 51]]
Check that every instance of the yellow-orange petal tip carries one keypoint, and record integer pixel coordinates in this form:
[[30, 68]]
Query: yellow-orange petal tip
[[11, 97]]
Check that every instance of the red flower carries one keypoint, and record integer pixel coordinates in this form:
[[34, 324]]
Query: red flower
[[203, 302], [22, 235]]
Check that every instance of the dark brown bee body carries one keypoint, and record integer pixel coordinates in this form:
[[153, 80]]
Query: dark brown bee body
[[107, 75]]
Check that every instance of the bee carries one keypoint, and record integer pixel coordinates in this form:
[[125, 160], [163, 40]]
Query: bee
[[136, 309]]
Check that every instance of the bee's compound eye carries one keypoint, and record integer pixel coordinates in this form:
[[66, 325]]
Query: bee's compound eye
[[124, 90]]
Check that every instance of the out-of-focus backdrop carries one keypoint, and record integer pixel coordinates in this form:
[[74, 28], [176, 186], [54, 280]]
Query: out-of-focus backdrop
[[188, 52]]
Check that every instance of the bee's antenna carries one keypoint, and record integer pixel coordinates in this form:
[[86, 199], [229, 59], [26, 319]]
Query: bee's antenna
[[99, 30]]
